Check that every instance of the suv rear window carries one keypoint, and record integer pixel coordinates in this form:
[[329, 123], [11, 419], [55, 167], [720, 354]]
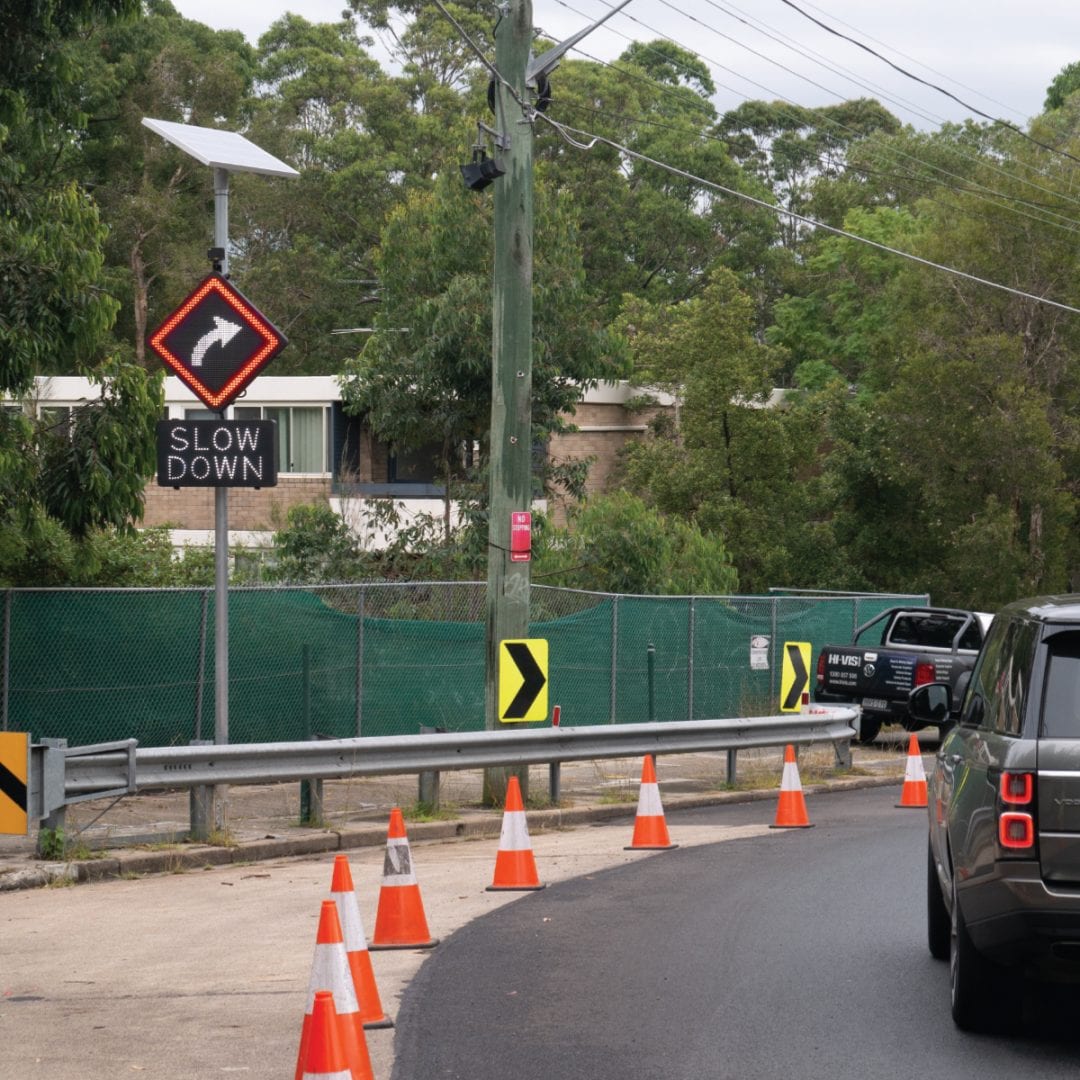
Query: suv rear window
[[1061, 696]]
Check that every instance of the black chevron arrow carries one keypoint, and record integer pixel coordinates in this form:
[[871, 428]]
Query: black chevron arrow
[[802, 677], [531, 687]]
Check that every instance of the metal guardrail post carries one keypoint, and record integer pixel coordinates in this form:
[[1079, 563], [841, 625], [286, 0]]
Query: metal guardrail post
[[428, 780], [201, 804], [54, 820]]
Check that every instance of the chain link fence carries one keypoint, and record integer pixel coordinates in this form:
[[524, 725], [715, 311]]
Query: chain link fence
[[92, 665]]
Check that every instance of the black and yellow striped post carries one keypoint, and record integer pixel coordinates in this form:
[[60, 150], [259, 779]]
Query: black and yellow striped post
[[14, 773]]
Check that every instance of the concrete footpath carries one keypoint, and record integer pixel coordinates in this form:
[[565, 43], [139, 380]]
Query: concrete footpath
[[146, 834]]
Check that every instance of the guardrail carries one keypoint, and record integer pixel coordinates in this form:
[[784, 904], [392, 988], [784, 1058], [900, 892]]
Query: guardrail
[[62, 775]]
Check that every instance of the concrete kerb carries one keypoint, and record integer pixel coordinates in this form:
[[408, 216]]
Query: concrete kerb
[[469, 825]]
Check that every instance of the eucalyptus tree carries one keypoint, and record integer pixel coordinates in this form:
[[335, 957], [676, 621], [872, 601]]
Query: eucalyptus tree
[[58, 482], [154, 198]]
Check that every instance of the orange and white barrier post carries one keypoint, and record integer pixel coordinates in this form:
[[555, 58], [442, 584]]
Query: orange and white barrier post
[[330, 971], [400, 922], [352, 930], [913, 793], [650, 828], [515, 867], [791, 809]]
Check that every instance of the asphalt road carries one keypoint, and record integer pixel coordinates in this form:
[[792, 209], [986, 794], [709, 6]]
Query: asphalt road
[[798, 954], [746, 952]]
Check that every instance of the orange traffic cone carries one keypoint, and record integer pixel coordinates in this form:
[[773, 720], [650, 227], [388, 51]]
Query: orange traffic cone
[[791, 810], [325, 1058], [400, 922], [515, 867], [650, 829], [330, 971], [913, 794], [352, 929]]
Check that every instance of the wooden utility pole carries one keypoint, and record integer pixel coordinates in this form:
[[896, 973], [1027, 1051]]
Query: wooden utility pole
[[510, 484]]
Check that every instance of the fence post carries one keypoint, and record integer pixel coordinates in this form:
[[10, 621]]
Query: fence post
[[776, 668], [690, 663], [650, 676], [360, 662], [200, 678], [7, 661], [614, 651], [311, 791]]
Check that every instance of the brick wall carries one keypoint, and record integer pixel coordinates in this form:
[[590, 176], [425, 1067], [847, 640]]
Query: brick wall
[[603, 430], [249, 509]]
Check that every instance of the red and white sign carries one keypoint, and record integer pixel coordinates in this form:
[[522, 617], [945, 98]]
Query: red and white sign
[[217, 341], [521, 536]]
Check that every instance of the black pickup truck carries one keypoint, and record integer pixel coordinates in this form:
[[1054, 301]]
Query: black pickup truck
[[892, 654]]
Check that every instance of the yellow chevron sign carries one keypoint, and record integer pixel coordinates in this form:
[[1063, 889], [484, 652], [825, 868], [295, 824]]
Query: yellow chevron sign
[[14, 772], [523, 677], [794, 675]]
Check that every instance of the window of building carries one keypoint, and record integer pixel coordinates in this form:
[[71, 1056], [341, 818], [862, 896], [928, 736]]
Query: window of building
[[302, 434]]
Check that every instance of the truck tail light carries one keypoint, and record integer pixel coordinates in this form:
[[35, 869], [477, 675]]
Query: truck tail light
[[925, 672], [1016, 817], [821, 669], [1016, 831]]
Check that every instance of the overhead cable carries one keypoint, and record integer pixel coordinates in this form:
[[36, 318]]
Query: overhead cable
[[591, 140]]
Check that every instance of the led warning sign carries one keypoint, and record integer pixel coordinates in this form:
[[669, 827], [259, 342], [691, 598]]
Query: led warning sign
[[217, 342]]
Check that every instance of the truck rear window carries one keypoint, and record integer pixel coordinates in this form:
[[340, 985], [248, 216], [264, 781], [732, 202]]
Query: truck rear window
[[1061, 696], [933, 632]]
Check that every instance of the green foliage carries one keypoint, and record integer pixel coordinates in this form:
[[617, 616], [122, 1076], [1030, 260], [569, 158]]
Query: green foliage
[[1065, 82], [619, 544], [315, 546]]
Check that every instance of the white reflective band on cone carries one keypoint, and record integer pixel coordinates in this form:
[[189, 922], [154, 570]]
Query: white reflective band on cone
[[330, 971], [352, 928], [649, 801], [790, 779], [515, 832], [397, 865]]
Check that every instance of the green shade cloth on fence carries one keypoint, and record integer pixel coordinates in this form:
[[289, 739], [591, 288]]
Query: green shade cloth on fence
[[386, 659]]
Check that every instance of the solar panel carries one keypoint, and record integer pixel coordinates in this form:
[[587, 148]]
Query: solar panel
[[220, 149]]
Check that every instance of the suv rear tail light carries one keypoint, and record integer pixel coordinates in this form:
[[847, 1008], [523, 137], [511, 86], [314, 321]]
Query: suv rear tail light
[[1017, 789], [925, 672], [1016, 813], [821, 669], [1016, 831]]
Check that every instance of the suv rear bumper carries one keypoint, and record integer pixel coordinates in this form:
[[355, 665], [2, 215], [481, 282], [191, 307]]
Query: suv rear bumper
[[1017, 919]]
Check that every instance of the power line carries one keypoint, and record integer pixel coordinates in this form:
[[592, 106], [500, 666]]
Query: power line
[[925, 82], [567, 133], [1066, 223], [912, 59], [708, 60]]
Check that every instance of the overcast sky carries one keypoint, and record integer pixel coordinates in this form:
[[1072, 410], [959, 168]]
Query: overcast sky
[[998, 56]]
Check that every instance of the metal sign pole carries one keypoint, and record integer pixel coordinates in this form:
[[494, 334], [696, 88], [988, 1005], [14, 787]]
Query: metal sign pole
[[221, 541], [216, 316]]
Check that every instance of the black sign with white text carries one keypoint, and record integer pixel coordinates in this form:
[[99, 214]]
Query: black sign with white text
[[217, 453]]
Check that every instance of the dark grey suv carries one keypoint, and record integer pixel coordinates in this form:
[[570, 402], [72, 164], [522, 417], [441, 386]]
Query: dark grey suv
[[1003, 880]]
